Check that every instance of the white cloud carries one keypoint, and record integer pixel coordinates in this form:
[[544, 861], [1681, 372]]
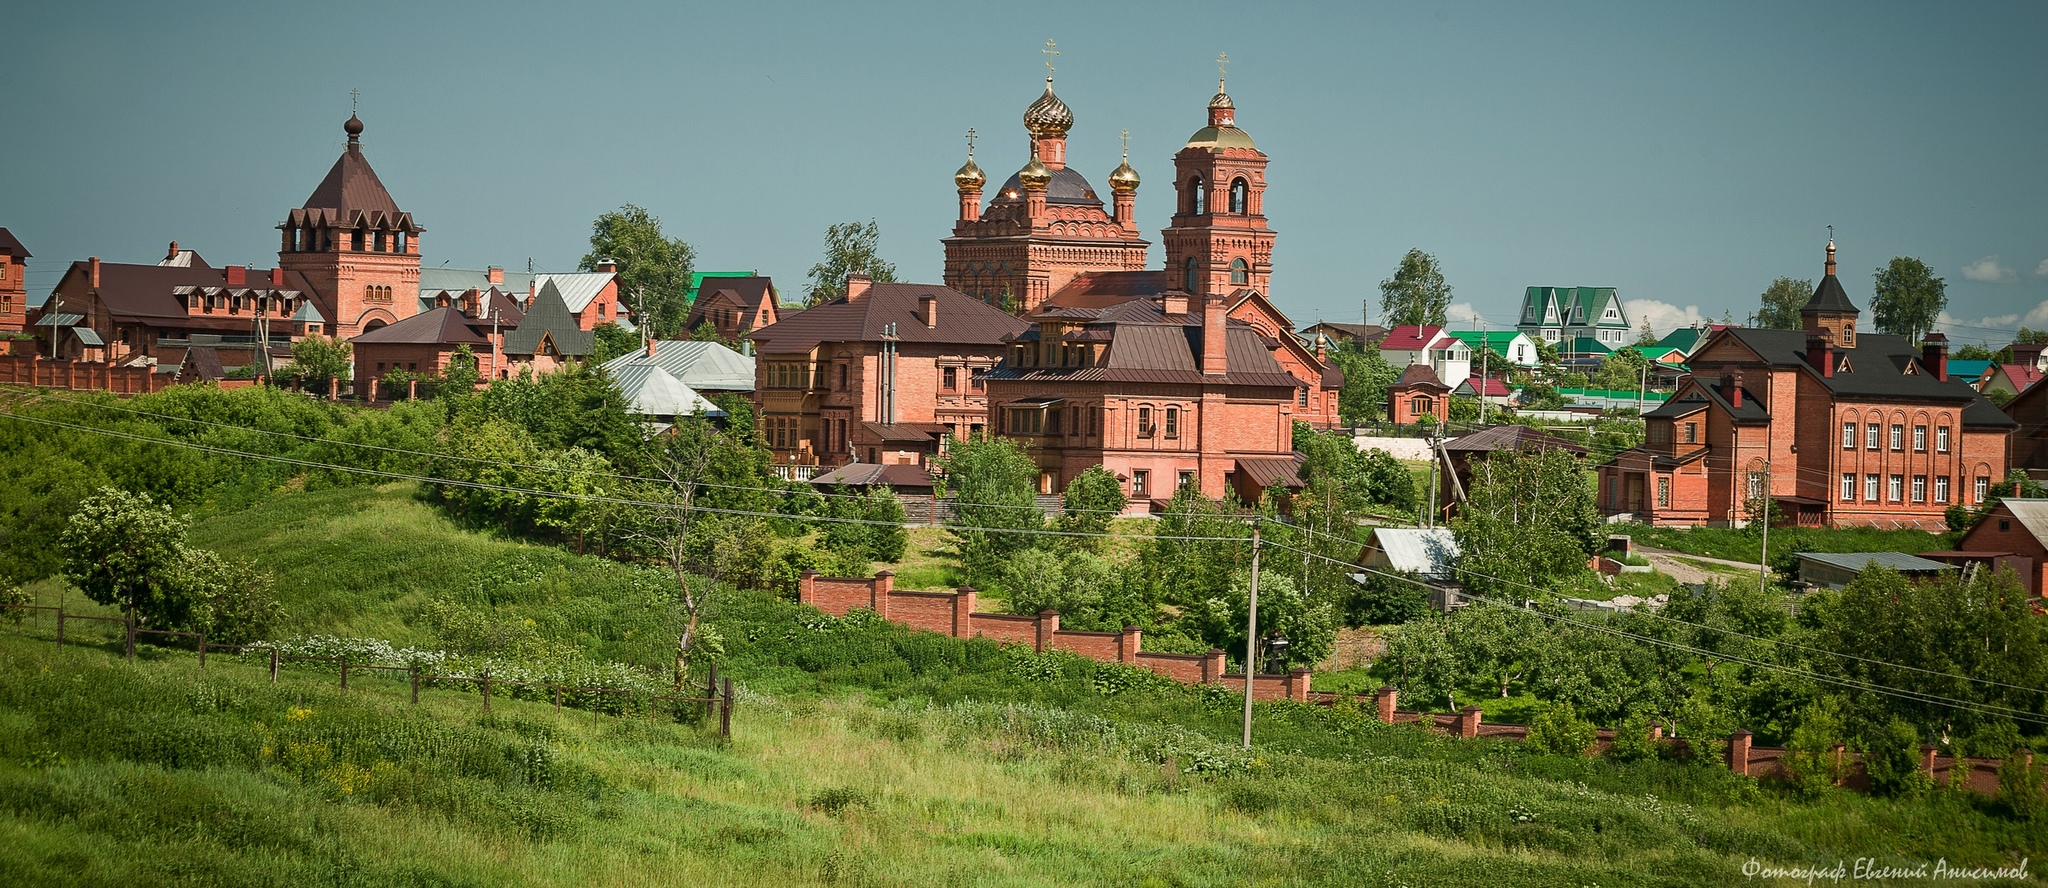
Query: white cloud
[[1987, 270], [1663, 316], [1993, 327], [2042, 269], [1462, 316]]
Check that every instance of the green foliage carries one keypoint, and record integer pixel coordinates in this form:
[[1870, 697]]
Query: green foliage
[[1540, 395], [1907, 299], [460, 376], [654, 269], [850, 247], [2020, 786], [1091, 501], [1366, 377], [317, 359], [1307, 620], [1622, 370], [870, 526], [124, 549], [1975, 352], [1417, 293], [993, 482], [12, 599], [612, 341], [1810, 763], [575, 405], [232, 599], [1087, 591], [1782, 301], [1183, 564], [1631, 741], [1527, 526], [1558, 730], [1891, 756]]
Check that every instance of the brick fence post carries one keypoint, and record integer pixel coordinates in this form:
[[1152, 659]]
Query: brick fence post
[[1840, 774], [878, 592], [1297, 685], [1048, 623], [1384, 701], [1468, 722], [1928, 752], [1127, 646], [1656, 733], [1738, 751], [807, 587], [334, 389], [963, 612], [1212, 666]]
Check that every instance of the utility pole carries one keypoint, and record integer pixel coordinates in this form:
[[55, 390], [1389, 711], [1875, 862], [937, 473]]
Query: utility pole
[[1763, 549], [1251, 640], [1486, 351], [1433, 444], [51, 308]]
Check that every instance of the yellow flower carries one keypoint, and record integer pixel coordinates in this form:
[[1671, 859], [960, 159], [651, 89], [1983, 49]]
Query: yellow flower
[[297, 714]]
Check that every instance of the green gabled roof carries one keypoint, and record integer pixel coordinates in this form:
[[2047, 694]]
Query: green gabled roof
[[1683, 339], [1576, 306], [1584, 345], [697, 281], [1498, 340]]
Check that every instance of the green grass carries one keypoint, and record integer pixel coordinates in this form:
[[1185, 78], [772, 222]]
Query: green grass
[[862, 753], [1742, 545]]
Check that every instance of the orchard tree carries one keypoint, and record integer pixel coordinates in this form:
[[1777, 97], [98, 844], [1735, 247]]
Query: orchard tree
[[1417, 293], [1908, 298], [1782, 301], [654, 269], [317, 359], [1366, 377], [849, 247], [125, 550], [1527, 525], [1092, 500]]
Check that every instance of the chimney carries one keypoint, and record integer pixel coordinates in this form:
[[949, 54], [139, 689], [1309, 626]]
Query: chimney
[[857, 286], [650, 347], [928, 310], [1934, 356], [1175, 303], [496, 275], [2026, 354], [94, 265], [1820, 352], [606, 265], [1731, 385], [173, 252], [1215, 361], [277, 277], [237, 275]]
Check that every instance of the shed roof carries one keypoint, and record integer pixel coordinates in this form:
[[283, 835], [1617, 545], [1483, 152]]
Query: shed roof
[[651, 391], [1425, 551], [1858, 561], [897, 475]]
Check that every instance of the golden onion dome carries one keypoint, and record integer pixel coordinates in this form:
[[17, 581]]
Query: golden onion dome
[[1034, 174], [1123, 180], [1222, 100], [1048, 116], [970, 177]]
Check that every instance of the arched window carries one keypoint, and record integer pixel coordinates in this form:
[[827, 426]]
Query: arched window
[[1191, 277], [1240, 196], [1198, 198], [1240, 273]]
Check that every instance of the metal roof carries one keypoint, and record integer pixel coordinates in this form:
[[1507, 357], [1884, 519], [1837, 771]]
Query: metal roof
[[88, 336], [577, 289], [2032, 513], [704, 366], [434, 280], [1898, 561], [1424, 551], [651, 391]]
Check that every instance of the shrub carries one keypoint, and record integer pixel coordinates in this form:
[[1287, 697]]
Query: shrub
[[2019, 786], [1559, 730], [1810, 759], [1632, 740], [1892, 759], [12, 594]]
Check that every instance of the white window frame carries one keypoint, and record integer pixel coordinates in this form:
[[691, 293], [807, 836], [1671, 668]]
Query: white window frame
[[1848, 487], [1895, 488], [1848, 436], [1941, 488], [1870, 433], [1983, 488], [1941, 439], [1872, 486], [1898, 438], [1919, 439], [1919, 488]]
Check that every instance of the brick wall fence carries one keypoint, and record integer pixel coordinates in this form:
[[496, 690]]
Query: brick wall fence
[[81, 376], [953, 614]]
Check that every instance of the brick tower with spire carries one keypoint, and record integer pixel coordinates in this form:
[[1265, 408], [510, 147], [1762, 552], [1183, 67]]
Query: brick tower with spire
[[357, 250], [1219, 242]]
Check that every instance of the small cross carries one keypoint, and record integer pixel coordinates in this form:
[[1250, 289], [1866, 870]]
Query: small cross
[[1127, 144], [352, 96], [1222, 60], [970, 143], [1051, 49], [1831, 234]]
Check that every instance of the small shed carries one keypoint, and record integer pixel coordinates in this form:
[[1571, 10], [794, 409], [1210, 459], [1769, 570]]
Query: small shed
[[906, 480], [1417, 394], [1429, 554], [1833, 570]]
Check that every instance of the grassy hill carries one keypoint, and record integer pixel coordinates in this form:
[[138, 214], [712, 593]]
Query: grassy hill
[[861, 754]]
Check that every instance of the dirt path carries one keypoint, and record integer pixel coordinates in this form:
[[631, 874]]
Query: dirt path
[[1674, 564]]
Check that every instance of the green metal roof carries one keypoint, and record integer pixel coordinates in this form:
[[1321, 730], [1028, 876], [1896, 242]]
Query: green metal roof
[[1576, 307], [1498, 340], [1584, 345]]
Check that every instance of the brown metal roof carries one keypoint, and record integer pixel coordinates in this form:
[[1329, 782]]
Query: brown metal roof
[[1101, 289], [145, 292], [1510, 437], [963, 320], [12, 246], [1419, 376], [899, 476], [1276, 471], [442, 326], [352, 188]]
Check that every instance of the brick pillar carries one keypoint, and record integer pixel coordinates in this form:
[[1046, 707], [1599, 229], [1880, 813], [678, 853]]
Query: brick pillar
[[1656, 733], [963, 612], [1928, 752], [1738, 751], [1840, 757], [334, 389], [807, 586], [1212, 666], [412, 389], [878, 592], [1468, 722], [1297, 685], [1384, 700], [1127, 646], [1048, 623]]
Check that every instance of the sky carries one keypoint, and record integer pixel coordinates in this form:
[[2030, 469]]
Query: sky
[[1686, 154]]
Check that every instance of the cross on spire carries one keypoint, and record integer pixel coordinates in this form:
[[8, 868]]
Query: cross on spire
[[1222, 61], [1051, 49], [970, 143], [353, 95], [1127, 144]]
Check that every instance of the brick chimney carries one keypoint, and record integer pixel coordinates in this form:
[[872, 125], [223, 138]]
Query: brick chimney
[[928, 310], [1731, 385], [650, 347], [495, 275], [237, 275], [1934, 356], [277, 277], [1820, 352], [857, 286], [1174, 303], [609, 265], [93, 273], [1215, 360], [173, 252]]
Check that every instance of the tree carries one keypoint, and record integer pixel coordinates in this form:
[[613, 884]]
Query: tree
[[1622, 370], [460, 376], [1527, 525], [1416, 294], [317, 359], [1366, 377], [1975, 352], [1782, 301], [654, 270], [993, 482], [850, 247], [1647, 336], [868, 525], [1908, 298], [125, 550], [1092, 500], [231, 599], [612, 341]]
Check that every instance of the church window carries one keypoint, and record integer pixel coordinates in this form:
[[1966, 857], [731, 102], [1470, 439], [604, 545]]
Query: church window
[[356, 240], [1144, 422], [377, 242], [1190, 277], [1173, 422], [1198, 202], [1240, 196], [1240, 273]]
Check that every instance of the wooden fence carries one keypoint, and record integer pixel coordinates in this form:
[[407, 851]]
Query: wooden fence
[[717, 701]]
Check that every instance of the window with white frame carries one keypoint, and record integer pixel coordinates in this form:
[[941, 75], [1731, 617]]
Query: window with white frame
[[1848, 486], [1941, 488], [1941, 439], [1870, 483], [1870, 436], [1898, 436], [1848, 435], [1895, 489], [1919, 488], [1982, 489], [1920, 439], [1663, 493]]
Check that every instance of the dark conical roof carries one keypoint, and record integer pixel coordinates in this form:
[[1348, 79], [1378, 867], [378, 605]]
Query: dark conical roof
[[351, 186], [1828, 298]]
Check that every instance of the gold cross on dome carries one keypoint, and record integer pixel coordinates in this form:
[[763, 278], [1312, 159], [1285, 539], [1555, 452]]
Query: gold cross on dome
[[970, 143], [1222, 61], [1127, 144], [1051, 49]]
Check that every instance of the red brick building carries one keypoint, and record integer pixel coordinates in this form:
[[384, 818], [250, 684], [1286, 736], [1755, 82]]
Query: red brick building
[[734, 306], [122, 313], [13, 283], [358, 253], [1837, 426], [1045, 225], [1418, 394], [879, 375]]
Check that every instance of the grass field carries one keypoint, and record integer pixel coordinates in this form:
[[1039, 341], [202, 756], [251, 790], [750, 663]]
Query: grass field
[[862, 754]]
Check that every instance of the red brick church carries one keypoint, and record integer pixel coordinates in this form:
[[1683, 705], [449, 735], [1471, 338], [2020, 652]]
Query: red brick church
[[1835, 425]]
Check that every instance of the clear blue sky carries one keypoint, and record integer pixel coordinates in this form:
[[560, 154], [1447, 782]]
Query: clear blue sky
[[1685, 154]]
